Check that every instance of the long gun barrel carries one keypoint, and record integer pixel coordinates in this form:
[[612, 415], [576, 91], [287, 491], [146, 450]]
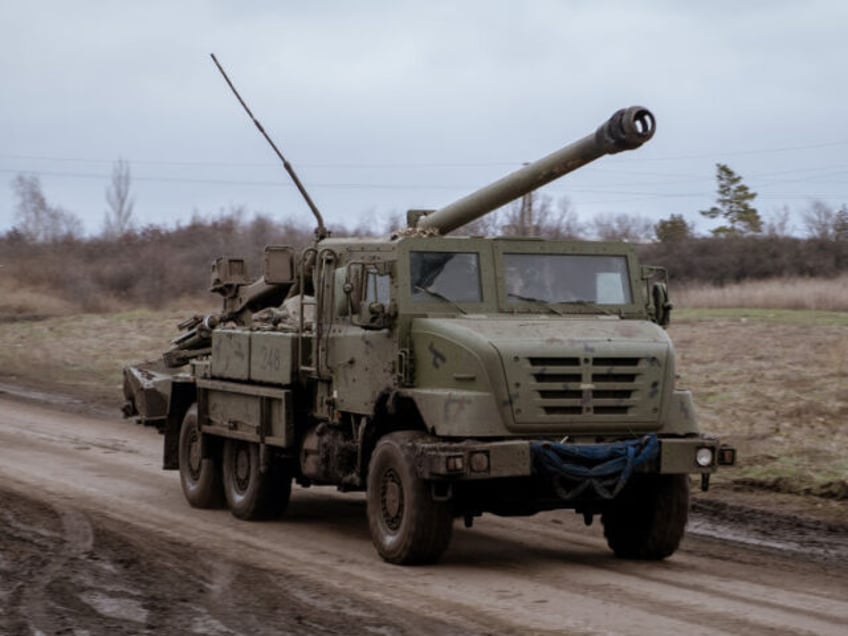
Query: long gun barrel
[[627, 129]]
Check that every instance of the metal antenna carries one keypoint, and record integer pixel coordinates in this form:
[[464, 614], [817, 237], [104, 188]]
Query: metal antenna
[[321, 231]]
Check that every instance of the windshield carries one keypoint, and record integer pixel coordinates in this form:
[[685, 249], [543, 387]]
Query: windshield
[[567, 278], [454, 276]]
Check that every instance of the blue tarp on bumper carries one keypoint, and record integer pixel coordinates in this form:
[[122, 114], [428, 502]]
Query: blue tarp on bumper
[[601, 470]]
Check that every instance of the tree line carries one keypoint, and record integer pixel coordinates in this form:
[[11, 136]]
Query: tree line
[[154, 265], [533, 215]]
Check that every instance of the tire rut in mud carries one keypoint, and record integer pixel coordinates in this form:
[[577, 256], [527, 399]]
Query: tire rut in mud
[[64, 572], [789, 534]]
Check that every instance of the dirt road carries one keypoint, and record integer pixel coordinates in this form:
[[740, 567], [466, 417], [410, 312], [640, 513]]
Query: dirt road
[[96, 538]]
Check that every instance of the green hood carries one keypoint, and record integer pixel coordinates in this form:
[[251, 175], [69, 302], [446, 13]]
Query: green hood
[[555, 375]]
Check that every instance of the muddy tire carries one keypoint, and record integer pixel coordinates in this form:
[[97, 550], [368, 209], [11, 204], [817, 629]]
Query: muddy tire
[[251, 494], [200, 477], [406, 525], [648, 518]]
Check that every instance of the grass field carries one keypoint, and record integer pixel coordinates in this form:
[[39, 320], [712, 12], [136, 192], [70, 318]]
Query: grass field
[[772, 381], [776, 385], [814, 294]]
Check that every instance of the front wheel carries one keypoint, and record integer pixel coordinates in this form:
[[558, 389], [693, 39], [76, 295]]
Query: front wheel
[[407, 526], [648, 518], [252, 494], [200, 476]]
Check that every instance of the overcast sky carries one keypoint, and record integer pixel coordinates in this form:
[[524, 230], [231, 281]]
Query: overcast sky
[[388, 105]]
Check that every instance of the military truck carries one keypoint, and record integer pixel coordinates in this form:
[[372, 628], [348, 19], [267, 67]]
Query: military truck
[[445, 376]]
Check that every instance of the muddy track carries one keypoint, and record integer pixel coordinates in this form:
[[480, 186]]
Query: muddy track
[[807, 538], [95, 537], [68, 572]]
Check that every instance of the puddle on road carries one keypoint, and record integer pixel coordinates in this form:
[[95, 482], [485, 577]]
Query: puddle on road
[[39, 396], [774, 534], [117, 607]]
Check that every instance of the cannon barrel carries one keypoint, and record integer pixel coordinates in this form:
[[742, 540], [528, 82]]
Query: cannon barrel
[[627, 129]]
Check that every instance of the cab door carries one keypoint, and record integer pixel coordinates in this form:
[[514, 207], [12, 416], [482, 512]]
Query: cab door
[[361, 345]]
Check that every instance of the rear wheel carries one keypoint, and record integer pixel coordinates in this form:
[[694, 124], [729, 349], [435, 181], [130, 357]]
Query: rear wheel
[[648, 518], [407, 526], [250, 493], [200, 477]]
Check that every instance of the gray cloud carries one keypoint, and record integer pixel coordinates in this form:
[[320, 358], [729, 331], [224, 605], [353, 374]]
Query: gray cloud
[[384, 106]]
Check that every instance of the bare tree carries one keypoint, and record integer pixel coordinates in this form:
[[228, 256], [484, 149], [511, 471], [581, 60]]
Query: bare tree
[[840, 225], [367, 225], [538, 216], [32, 210], [39, 221], [565, 224], [119, 217], [487, 225], [393, 222], [777, 222], [558, 221], [518, 218], [819, 220], [531, 215], [623, 227]]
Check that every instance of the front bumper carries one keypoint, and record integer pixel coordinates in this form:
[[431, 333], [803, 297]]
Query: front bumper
[[475, 460]]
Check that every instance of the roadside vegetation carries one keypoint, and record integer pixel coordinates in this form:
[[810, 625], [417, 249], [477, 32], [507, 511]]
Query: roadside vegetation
[[783, 294]]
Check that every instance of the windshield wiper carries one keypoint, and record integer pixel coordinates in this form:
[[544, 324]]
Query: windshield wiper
[[537, 301], [592, 304], [550, 304], [441, 297]]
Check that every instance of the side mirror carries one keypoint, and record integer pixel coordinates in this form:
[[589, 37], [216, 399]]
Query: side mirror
[[278, 265], [376, 312], [352, 288], [375, 309], [227, 274], [661, 304]]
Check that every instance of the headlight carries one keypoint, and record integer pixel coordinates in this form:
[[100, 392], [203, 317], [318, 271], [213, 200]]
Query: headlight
[[479, 461], [704, 457]]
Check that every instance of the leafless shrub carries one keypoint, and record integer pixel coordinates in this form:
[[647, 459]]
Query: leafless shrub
[[154, 266], [735, 259], [151, 266]]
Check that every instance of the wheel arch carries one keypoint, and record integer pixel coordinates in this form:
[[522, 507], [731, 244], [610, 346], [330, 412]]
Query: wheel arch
[[182, 396], [392, 412]]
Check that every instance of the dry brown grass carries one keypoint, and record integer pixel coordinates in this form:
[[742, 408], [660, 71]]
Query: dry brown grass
[[16, 301], [83, 354], [816, 294], [776, 389]]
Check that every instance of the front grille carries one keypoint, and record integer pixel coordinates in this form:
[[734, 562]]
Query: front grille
[[554, 362], [586, 385]]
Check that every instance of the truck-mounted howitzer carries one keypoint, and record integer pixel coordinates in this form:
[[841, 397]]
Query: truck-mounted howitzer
[[446, 377]]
